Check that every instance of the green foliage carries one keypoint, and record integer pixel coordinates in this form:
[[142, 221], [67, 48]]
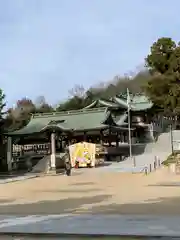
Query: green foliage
[[2, 103], [19, 116], [2, 122], [73, 103], [41, 106], [81, 98], [172, 158], [162, 52], [44, 108], [163, 87]]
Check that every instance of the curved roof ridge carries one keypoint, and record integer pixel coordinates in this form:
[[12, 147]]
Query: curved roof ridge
[[72, 112], [91, 105]]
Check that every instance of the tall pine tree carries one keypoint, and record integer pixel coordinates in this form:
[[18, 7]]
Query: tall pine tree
[[163, 63], [2, 103]]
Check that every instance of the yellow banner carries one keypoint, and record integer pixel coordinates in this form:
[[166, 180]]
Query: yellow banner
[[83, 153]]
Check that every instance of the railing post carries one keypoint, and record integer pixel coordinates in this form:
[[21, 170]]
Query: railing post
[[134, 161], [159, 162], [155, 165], [150, 168]]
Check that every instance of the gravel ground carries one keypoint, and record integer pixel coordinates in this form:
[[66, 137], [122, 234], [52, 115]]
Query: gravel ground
[[89, 191]]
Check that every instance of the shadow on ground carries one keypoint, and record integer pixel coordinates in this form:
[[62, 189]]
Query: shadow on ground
[[83, 184], [68, 205], [71, 190], [159, 206], [14, 175], [2, 201], [166, 184], [105, 164]]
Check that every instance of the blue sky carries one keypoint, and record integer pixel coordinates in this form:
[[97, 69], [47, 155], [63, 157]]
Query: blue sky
[[48, 46]]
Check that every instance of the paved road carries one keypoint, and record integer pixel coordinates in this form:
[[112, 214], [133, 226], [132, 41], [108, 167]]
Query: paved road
[[92, 224]]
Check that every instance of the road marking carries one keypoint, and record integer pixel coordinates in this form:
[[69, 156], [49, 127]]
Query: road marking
[[14, 221]]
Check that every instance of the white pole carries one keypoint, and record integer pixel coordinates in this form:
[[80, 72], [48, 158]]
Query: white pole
[[171, 138], [129, 130], [53, 151], [129, 125], [9, 153]]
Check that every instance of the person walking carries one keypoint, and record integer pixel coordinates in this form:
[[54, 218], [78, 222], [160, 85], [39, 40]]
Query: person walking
[[67, 163]]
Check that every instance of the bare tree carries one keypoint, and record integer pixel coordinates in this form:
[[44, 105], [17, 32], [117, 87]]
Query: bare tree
[[40, 101], [77, 91]]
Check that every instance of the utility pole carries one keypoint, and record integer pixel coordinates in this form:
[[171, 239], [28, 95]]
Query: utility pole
[[129, 126], [172, 141]]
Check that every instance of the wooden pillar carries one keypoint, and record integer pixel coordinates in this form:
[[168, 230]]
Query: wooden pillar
[[61, 142], [117, 139], [69, 136], [124, 138], [120, 137], [85, 137], [101, 138], [53, 151], [9, 153], [22, 150], [109, 139]]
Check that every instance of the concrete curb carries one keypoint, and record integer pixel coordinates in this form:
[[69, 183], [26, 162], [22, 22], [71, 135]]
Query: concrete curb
[[17, 179]]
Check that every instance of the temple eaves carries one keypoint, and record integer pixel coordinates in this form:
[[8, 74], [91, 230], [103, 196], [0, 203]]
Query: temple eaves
[[81, 120]]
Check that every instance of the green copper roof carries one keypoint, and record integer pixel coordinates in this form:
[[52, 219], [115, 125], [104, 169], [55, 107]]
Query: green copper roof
[[79, 120], [138, 103], [141, 102], [102, 103]]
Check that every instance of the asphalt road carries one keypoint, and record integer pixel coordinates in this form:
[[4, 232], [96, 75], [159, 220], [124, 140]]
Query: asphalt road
[[89, 225], [161, 206]]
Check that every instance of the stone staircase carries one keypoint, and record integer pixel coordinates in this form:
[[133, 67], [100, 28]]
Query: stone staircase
[[163, 144], [159, 149], [42, 166]]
